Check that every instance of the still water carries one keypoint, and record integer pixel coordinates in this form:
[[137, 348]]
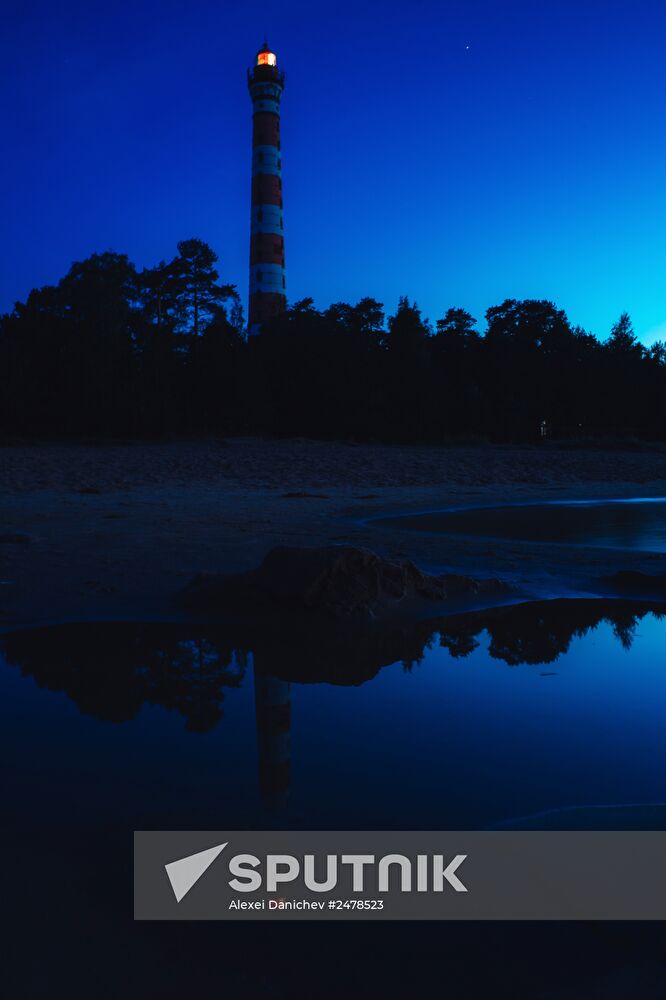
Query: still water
[[545, 714], [621, 524]]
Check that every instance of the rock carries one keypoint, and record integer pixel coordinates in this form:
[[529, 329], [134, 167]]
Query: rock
[[338, 580], [15, 538]]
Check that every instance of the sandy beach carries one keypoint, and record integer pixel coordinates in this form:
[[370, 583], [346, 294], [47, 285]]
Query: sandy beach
[[115, 531]]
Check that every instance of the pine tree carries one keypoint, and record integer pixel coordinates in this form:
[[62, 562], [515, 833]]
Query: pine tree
[[622, 339], [199, 295]]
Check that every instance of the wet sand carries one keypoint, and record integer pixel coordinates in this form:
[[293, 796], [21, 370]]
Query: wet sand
[[115, 531]]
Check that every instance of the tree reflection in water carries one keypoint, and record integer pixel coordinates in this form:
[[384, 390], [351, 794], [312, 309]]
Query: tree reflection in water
[[111, 669], [541, 632]]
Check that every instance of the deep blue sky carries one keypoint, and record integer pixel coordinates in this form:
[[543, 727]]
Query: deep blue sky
[[459, 153]]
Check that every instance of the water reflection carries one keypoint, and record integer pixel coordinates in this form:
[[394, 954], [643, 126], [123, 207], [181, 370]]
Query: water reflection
[[272, 698], [110, 670], [626, 524], [540, 632]]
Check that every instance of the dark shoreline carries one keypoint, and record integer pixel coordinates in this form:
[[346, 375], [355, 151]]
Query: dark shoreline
[[116, 532]]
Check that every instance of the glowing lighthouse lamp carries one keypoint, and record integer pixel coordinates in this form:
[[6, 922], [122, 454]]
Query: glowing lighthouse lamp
[[265, 58]]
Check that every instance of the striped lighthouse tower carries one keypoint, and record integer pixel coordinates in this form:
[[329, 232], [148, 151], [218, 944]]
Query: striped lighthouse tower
[[267, 276]]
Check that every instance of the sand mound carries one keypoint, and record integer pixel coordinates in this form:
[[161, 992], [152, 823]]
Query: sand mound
[[338, 580]]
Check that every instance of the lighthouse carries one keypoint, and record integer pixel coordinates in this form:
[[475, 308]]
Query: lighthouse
[[267, 274]]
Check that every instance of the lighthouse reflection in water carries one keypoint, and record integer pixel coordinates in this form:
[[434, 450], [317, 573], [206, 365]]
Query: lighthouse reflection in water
[[538, 714], [273, 708]]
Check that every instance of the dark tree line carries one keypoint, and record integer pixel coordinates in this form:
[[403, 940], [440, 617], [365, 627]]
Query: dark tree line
[[112, 351]]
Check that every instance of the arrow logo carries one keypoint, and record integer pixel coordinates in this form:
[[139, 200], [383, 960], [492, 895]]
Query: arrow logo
[[185, 872]]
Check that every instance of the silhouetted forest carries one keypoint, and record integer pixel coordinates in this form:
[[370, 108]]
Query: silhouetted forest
[[115, 352]]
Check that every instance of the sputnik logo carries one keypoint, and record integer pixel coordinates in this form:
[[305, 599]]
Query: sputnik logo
[[186, 872], [249, 876]]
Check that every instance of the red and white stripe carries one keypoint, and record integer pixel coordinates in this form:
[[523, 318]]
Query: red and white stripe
[[267, 274]]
